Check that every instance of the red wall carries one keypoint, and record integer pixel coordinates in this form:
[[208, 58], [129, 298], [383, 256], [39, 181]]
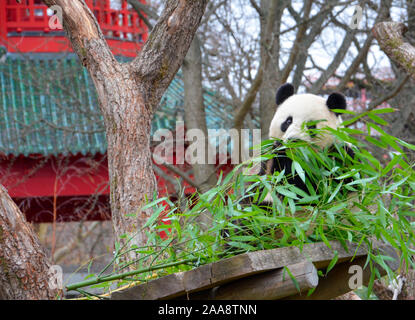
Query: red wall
[[75, 187], [64, 176]]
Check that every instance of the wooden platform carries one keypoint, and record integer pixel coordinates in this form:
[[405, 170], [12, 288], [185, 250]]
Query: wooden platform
[[264, 275]]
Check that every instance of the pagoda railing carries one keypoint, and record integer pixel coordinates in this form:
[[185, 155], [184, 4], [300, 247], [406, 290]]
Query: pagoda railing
[[33, 16]]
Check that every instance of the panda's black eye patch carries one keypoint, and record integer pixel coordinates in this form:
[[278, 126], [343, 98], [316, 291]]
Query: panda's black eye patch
[[286, 124], [312, 127]]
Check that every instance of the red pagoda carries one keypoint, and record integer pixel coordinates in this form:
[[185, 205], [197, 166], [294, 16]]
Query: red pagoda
[[52, 137]]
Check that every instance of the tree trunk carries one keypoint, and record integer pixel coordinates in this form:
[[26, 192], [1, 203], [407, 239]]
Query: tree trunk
[[194, 108], [24, 267], [270, 83], [128, 95], [195, 115], [402, 124], [130, 164]]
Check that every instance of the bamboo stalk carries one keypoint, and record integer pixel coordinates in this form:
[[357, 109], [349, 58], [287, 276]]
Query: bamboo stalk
[[120, 276]]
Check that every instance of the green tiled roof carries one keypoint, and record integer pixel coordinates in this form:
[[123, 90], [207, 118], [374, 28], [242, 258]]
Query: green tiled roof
[[48, 106]]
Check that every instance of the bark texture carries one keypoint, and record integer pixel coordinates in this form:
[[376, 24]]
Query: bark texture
[[402, 124], [129, 95], [391, 41], [24, 266]]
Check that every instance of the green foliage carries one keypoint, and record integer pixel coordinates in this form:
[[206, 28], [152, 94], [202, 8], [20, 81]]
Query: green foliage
[[351, 200], [358, 200]]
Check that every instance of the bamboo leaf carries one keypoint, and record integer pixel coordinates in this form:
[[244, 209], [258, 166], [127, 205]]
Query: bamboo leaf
[[382, 110], [285, 192], [335, 192], [377, 119], [297, 168], [332, 262]]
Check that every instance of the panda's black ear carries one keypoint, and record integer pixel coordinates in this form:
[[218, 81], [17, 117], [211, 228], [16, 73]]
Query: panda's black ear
[[336, 101], [284, 92]]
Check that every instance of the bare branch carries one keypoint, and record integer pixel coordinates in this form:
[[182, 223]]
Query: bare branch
[[389, 95], [338, 58], [296, 46], [256, 7], [356, 62], [383, 13], [85, 34], [316, 28], [74, 243], [180, 173], [249, 100], [167, 45], [141, 8], [175, 182], [256, 84]]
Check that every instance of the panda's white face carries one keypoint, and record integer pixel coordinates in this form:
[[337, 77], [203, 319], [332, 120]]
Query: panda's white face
[[290, 119]]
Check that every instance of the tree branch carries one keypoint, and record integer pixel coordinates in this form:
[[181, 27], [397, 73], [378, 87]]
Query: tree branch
[[390, 39], [356, 62], [249, 100], [257, 8], [177, 171], [302, 28], [74, 243], [138, 6], [175, 182], [389, 95], [256, 84], [316, 28], [383, 14], [167, 45], [338, 58], [142, 10], [84, 33]]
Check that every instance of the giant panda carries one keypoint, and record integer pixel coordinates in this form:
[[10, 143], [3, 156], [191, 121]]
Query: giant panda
[[293, 113]]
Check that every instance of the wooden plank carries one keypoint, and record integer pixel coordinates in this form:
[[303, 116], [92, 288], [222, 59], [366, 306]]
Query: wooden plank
[[270, 285], [336, 283], [169, 288], [223, 271], [260, 261]]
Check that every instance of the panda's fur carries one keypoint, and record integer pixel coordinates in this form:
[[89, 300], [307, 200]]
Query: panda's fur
[[300, 109], [293, 112]]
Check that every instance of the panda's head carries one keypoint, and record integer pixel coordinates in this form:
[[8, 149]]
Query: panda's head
[[298, 112]]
